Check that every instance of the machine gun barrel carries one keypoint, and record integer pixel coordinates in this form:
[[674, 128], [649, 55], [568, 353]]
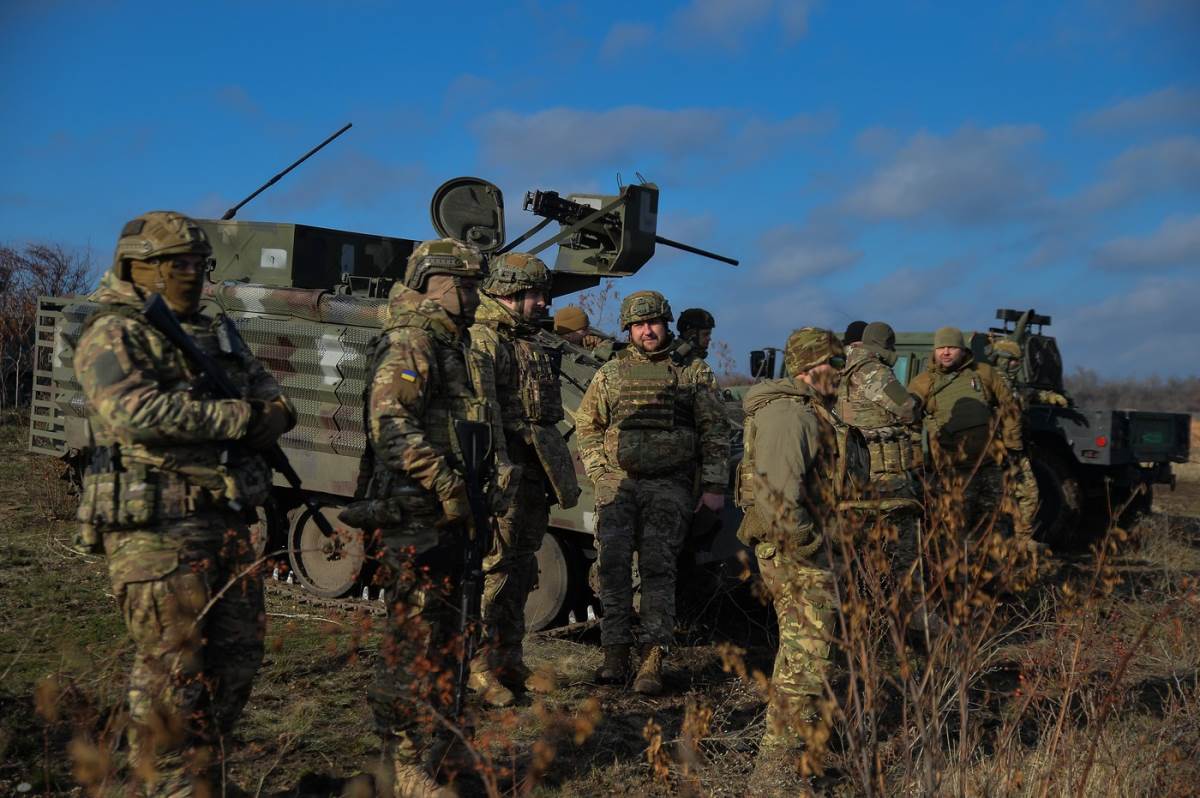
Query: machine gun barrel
[[550, 205], [229, 214]]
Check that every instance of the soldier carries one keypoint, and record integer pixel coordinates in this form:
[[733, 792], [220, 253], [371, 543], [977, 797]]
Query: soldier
[[787, 484], [695, 327], [572, 323], [526, 375], [643, 424], [973, 423], [853, 333], [169, 465], [423, 377], [1008, 356]]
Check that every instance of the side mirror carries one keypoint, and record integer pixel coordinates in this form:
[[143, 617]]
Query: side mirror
[[762, 364]]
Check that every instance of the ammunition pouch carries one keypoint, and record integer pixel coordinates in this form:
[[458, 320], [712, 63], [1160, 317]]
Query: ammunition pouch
[[890, 450]]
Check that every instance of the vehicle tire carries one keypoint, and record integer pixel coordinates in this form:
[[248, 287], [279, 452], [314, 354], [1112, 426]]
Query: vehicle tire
[[560, 578], [1060, 497], [327, 567]]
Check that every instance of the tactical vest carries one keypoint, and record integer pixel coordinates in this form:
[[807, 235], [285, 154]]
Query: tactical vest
[[960, 407], [134, 485], [653, 427], [537, 382], [889, 443], [456, 390]]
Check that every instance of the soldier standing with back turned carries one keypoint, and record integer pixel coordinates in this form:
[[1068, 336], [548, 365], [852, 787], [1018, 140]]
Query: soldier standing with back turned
[[169, 465], [641, 424], [789, 482], [526, 375], [423, 377]]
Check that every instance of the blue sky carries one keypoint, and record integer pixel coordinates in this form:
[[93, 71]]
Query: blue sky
[[916, 162]]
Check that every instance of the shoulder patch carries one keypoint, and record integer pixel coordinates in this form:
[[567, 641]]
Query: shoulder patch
[[409, 375]]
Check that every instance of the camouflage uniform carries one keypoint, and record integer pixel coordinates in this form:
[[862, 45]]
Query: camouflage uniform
[[161, 503], [423, 377], [972, 421], [1025, 490], [871, 399], [645, 426], [787, 485], [530, 401]]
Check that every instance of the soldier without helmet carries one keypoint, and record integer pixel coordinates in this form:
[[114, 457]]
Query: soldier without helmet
[[423, 376], [973, 423], [515, 294], [640, 424], [169, 465], [573, 324]]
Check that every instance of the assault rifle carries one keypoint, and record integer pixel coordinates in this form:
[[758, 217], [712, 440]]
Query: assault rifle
[[163, 320], [475, 444]]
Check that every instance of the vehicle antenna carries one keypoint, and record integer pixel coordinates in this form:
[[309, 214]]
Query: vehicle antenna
[[229, 214]]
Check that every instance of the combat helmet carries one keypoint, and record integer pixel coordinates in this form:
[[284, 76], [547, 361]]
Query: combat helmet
[[809, 347], [514, 272], [158, 234], [695, 319], [442, 256], [644, 306]]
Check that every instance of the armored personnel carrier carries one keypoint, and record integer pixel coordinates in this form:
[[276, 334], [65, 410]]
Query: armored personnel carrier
[[1090, 463], [308, 301]]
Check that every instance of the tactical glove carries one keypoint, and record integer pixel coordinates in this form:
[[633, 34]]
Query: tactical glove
[[455, 507], [268, 420]]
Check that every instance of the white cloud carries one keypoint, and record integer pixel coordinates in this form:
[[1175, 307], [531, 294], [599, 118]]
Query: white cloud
[[1176, 242], [973, 176], [791, 254], [1171, 105], [1163, 166]]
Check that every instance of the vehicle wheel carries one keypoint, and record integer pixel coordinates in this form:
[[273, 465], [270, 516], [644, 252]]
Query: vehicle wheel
[[1060, 498], [328, 567], [558, 581]]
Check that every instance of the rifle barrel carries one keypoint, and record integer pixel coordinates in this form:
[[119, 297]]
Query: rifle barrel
[[229, 214], [695, 250]]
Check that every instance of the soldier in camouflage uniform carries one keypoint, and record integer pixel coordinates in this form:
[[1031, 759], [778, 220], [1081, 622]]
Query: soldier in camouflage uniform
[[526, 384], [169, 463], [695, 328], [572, 323], [423, 376], [973, 424], [789, 482], [646, 425], [1008, 355]]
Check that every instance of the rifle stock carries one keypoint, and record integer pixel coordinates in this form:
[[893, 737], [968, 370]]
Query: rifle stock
[[162, 319], [475, 444]]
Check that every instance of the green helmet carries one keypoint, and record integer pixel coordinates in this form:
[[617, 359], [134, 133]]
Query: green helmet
[[442, 256], [809, 347], [158, 234], [644, 306], [695, 319], [880, 336], [514, 272], [948, 336]]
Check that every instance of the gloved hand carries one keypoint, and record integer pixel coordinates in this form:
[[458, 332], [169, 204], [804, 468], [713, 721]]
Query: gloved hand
[[268, 420], [456, 508], [1055, 398]]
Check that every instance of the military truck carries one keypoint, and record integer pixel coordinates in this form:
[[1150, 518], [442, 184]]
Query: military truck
[[1090, 463], [309, 300]]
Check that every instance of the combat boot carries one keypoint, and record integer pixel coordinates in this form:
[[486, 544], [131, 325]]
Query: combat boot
[[615, 669], [649, 677], [487, 684], [413, 781]]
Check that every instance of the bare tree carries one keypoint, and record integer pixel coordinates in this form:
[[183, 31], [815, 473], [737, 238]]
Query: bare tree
[[36, 270]]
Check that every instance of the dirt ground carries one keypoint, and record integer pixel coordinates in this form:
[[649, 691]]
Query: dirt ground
[[307, 729]]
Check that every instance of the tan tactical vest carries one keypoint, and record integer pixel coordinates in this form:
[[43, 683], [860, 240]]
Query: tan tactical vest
[[537, 383], [960, 408], [132, 485], [889, 443], [653, 428]]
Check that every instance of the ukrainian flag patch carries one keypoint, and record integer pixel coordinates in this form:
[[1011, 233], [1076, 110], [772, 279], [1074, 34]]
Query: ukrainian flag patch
[[408, 375]]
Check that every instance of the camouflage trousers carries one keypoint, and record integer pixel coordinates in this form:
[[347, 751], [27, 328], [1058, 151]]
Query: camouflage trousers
[[973, 499], [412, 697], [803, 596], [646, 516], [511, 568], [1025, 492], [197, 621]]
